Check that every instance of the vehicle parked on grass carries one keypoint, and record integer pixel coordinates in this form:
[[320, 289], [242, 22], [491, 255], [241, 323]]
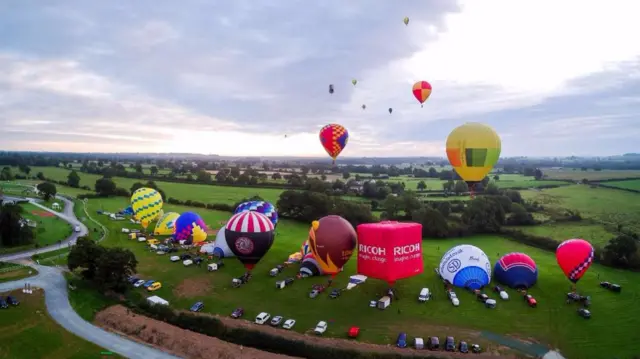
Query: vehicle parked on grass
[[12, 300], [3, 304], [148, 283], [585, 313], [76, 229], [275, 321], [434, 343], [453, 298], [155, 286], [237, 313], [476, 348], [450, 344], [401, 342], [133, 279], [424, 295], [174, 258], [198, 306], [262, 318], [531, 301], [139, 283], [321, 327], [289, 323], [482, 297], [463, 347], [185, 256], [335, 293]]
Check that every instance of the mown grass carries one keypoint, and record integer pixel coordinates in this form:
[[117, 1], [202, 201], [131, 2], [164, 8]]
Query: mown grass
[[594, 233], [27, 332], [10, 272], [631, 184], [85, 300], [576, 174], [49, 230], [504, 181], [553, 322], [608, 206]]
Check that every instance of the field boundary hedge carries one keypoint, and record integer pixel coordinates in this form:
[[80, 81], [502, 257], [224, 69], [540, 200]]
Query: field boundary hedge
[[598, 184], [213, 327]]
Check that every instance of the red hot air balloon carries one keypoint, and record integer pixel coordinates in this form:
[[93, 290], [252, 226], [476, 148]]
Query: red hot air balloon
[[249, 235], [574, 258], [422, 91], [334, 138], [332, 240]]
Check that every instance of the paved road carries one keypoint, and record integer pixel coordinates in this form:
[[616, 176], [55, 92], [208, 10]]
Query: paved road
[[58, 306], [67, 215]]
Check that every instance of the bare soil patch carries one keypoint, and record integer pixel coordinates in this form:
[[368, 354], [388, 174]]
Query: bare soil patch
[[193, 287], [180, 342]]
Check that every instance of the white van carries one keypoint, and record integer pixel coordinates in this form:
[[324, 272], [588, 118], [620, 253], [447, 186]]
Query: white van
[[187, 262], [424, 295], [77, 229], [418, 343], [153, 247]]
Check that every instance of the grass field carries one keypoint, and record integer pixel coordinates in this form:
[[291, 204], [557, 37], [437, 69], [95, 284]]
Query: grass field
[[609, 206], [553, 322], [576, 174], [50, 229], [594, 233], [10, 272], [505, 181], [27, 332], [631, 184]]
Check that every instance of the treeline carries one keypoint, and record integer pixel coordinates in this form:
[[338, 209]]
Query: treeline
[[13, 229]]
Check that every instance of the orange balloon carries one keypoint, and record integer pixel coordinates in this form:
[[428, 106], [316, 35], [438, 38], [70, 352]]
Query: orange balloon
[[422, 91]]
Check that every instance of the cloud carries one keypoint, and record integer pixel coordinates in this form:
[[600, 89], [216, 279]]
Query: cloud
[[236, 77]]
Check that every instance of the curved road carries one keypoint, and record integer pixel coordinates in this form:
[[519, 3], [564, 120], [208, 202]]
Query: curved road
[[57, 301]]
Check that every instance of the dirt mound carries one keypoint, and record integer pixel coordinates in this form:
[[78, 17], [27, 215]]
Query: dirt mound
[[193, 287], [180, 342]]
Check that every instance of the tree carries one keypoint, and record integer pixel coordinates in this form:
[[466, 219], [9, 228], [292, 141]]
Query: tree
[[519, 216], [622, 251], [47, 190], [24, 169], [460, 187], [221, 177], [5, 174], [421, 186], [105, 187], [73, 179], [276, 176], [346, 175], [84, 256], [492, 188], [483, 215], [538, 174], [40, 176], [392, 206], [496, 178], [114, 266], [138, 168], [448, 186], [13, 231], [154, 170], [434, 224], [203, 176]]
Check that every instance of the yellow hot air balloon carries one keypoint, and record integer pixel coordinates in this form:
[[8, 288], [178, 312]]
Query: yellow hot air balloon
[[473, 149], [166, 224], [406, 20], [354, 82], [146, 204]]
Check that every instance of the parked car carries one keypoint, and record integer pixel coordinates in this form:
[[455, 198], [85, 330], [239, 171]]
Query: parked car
[[198, 260], [148, 283], [335, 294], [373, 304], [133, 279], [424, 295], [585, 313], [450, 344], [185, 256], [463, 347], [172, 250], [289, 323], [401, 342], [237, 313], [320, 328], [174, 258], [139, 283], [12, 300], [531, 301], [454, 298], [434, 343], [498, 289], [262, 318], [275, 321], [198, 306], [3, 304], [155, 286], [76, 229], [476, 348], [482, 297]]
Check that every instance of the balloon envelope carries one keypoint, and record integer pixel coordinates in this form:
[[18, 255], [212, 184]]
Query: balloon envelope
[[310, 267], [354, 82], [332, 240], [466, 266], [166, 224], [473, 149], [263, 207], [334, 138], [221, 248], [249, 235], [406, 20], [146, 204], [421, 91], [574, 257], [190, 227], [516, 270]]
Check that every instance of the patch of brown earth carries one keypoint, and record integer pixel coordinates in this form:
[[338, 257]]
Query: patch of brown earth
[[180, 342], [193, 287]]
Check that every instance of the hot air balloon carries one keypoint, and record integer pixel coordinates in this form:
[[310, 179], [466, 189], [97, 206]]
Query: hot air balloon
[[354, 82], [221, 248], [309, 267], [331, 89], [574, 257], [127, 211], [473, 149], [422, 91], [146, 204], [305, 249], [332, 240], [334, 138], [190, 227], [364, 106], [263, 207], [516, 270], [466, 266], [166, 224], [406, 20], [249, 235], [390, 110]]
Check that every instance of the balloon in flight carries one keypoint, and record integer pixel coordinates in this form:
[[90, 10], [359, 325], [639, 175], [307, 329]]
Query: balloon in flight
[[574, 257], [146, 204], [421, 90], [390, 110], [249, 235], [334, 138], [330, 89], [406, 20], [364, 107], [473, 149], [332, 240], [354, 82]]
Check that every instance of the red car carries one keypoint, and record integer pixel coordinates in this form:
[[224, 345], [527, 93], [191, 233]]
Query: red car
[[353, 332], [531, 301]]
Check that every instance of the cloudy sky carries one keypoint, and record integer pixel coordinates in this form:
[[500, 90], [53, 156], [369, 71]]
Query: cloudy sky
[[234, 77]]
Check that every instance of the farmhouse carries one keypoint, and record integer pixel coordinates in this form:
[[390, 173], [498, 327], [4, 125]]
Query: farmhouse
[[56, 206]]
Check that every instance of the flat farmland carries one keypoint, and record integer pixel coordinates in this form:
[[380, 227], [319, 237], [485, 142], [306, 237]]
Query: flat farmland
[[576, 174], [630, 184]]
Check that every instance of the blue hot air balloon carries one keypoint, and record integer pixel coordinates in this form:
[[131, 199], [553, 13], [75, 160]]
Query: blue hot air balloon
[[263, 207], [516, 270], [466, 266], [190, 227]]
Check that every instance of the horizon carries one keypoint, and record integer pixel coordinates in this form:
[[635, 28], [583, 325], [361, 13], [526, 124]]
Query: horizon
[[236, 79]]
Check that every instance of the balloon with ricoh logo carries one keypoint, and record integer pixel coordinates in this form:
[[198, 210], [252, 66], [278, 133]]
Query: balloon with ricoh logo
[[466, 266]]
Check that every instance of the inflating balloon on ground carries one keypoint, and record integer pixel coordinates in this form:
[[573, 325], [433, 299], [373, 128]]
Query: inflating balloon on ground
[[190, 228], [166, 224], [516, 270], [574, 257], [263, 207], [249, 235], [146, 204], [332, 240], [465, 266]]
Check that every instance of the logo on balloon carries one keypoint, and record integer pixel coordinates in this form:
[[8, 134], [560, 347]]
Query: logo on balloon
[[454, 265], [244, 245], [487, 266]]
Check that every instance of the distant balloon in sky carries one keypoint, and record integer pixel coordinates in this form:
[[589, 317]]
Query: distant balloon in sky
[[390, 110], [473, 149], [330, 89], [334, 138], [406, 20], [354, 82], [422, 91], [364, 107]]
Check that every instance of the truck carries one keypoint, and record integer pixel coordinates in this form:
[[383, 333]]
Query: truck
[[384, 302]]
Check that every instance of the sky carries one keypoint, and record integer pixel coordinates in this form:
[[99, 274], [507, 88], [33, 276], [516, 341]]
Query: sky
[[251, 78]]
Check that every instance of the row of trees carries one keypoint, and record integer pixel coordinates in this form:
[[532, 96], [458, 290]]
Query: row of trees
[[13, 228]]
